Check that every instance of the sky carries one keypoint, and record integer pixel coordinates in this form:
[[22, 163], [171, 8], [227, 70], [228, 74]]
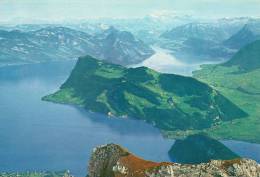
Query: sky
[[58, 10]]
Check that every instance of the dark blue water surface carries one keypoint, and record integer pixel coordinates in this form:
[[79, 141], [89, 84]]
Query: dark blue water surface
[[38, 135]]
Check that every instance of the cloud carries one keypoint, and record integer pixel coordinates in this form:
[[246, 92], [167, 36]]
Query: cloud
[[64, 9]]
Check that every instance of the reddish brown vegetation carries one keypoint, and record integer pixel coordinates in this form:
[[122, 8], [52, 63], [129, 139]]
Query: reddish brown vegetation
[[137, 166]]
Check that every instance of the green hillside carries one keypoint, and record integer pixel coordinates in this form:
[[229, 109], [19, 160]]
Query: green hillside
[[242, 87], [247, 59], [200, 148], [169, 102]]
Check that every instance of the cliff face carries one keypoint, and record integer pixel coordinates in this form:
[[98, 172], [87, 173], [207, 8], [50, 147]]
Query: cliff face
[[114, 161]]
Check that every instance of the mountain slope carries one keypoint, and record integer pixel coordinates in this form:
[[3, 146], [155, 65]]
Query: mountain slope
[[238, 80], [240, 39], [249, 33], [169, 102], [196, 30], [60, 43], [200, 148], [247, 59]]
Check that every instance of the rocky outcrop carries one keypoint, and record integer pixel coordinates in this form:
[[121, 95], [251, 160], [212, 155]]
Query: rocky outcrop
[[114, 161]]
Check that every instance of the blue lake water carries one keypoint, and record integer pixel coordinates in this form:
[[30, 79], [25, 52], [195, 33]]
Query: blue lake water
[[38, 135]]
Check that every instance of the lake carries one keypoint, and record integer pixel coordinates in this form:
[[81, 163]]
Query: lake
[[164, 61], [38, 135]]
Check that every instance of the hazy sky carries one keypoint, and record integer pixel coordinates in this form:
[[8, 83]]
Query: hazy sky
[[76, 9]]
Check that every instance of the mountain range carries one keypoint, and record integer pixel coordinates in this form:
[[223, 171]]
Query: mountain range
[[210, 41], [197, 42], [188, 38], [196, 30], [60, 43]]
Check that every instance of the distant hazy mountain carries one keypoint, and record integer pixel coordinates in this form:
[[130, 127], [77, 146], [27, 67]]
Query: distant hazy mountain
[[150, 27], [197, 42], [59, 43], [249, 33], [204, 40], [122, 47], [218, 30], [196, 30], [147, 28], [233, 25], [188, 38]]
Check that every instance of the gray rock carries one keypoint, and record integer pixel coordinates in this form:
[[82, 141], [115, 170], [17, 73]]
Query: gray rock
[[114, 161]]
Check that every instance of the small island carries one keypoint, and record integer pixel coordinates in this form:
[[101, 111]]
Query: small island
[[200, 148]]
